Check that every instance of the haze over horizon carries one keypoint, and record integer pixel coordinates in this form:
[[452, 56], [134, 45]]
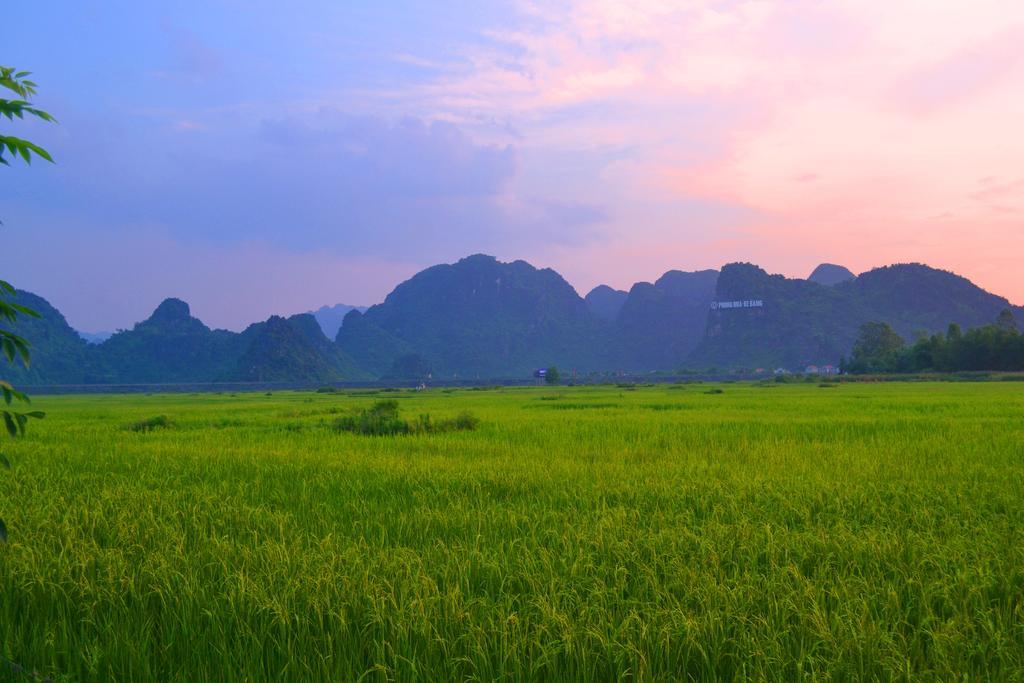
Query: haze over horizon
[[254, 159]]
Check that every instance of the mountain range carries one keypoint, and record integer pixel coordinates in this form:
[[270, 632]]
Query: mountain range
[[331, 317], [481, 318]]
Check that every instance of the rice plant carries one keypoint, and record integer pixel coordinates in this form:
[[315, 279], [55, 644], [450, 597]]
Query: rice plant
[[869, 533]]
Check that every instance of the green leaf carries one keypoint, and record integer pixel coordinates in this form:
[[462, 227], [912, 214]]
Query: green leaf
[[4, 462], [26, 310], [12, 427]]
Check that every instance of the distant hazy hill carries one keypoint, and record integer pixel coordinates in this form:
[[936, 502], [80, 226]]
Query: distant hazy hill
[[661, 323], [292, 350], [803, 322], [913, 297], [59, 354], [605, 302], [95, 337], [830, 274], [373, 348], [482, 317], [169, 346], [331, 317]]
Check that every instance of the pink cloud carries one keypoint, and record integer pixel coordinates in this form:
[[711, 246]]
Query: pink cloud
[[852, 131], [960, 78]]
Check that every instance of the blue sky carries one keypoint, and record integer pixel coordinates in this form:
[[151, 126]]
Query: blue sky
[[208, 132], [265, 157]]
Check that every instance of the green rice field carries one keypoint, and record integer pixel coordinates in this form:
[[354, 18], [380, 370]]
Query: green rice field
[[670, 532]]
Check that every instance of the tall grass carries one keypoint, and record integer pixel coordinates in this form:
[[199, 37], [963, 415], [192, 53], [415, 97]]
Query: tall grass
[[382, 419], [870, 532]]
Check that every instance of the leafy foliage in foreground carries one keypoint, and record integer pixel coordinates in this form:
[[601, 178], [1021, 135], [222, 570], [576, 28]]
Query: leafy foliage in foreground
[[874, 532], [18, 83], [58, 352], [13, 345]]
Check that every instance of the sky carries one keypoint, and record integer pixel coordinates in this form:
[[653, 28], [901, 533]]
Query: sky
[[256, 157]]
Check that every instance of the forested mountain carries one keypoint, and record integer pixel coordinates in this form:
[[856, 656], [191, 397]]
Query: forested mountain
[[289, 350], [331, 317], [373, 348], [59, 354], [605, 302], [95, 337], [830, 274], [801, 322], [481, 318], [345, 367], [169, 346], [913, 297], [660, 324]]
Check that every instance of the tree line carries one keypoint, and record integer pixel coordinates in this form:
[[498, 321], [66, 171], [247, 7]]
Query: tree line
[[995, 347]]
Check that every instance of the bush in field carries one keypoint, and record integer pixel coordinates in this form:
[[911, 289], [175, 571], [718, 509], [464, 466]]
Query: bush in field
[[149, 424], [464, 421], [382, 419], [379, 420]]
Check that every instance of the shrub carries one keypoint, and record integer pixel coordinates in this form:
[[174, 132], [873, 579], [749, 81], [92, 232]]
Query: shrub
[[381, 419], [714, 391], [149, 424], [464, 421]]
